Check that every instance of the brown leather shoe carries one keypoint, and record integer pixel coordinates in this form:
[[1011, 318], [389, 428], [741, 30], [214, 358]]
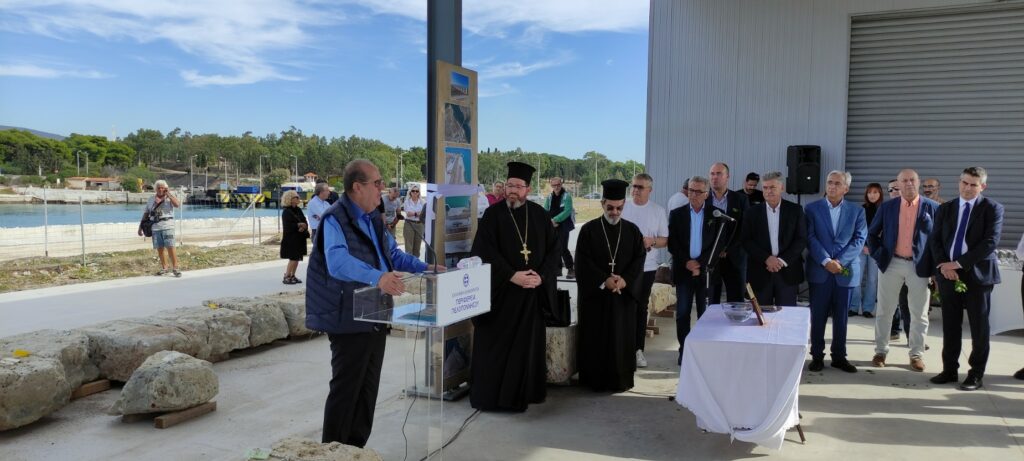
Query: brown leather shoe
[[878, 360], [917, 364]]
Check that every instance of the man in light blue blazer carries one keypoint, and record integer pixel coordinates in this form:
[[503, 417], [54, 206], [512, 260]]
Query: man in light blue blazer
[[836, 231], [898, 240]]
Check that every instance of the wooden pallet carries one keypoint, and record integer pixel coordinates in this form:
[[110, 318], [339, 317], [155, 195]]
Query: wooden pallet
[[165, 420], [90, 388]]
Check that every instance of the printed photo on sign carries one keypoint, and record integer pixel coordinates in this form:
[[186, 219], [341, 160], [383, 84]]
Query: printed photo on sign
[[456, 165], [458, 124], [460, 86]]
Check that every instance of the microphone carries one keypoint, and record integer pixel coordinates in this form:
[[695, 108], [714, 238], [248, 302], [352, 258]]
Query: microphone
[[718, 214]]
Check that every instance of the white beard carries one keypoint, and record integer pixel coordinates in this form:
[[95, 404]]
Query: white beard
[[515, 204], [611, 221]]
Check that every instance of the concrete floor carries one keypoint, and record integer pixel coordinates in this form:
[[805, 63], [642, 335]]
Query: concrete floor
[[278, 390]]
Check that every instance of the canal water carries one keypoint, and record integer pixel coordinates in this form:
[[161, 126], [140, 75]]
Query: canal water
[[31, 215]]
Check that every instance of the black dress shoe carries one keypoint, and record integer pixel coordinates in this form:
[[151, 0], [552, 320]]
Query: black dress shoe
[[869, 315], [944, 378], [844, 365], [1019, 374], [851, 314], [816, 365], [972, 383]]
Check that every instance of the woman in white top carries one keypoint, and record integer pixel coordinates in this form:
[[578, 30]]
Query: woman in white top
[[413, 209]]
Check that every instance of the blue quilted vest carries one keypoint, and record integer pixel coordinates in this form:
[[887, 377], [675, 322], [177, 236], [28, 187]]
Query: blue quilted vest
[[329, 300]]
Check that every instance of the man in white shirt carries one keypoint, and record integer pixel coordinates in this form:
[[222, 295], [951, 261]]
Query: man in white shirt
[[680, 198], [652, 220], [317, 206]]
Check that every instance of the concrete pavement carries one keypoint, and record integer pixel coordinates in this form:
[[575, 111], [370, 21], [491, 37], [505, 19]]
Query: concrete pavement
[[278, 390]]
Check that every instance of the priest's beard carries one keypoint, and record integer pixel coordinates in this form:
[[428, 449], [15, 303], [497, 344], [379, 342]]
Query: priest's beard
[[612, 221], [514, 203]]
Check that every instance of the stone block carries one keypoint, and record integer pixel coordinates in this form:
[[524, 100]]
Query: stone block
[[662, 296], [220, 330], [293, 306], [300, 449], [561, 353], [120, 346], [167, 381], [268, 322], [70, 348], [30, 388]]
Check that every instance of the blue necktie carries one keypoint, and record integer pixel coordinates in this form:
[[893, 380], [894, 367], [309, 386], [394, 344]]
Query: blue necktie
[[958, 242]]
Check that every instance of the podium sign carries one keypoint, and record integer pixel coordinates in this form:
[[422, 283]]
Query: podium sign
[[431, 300], [463, 294]]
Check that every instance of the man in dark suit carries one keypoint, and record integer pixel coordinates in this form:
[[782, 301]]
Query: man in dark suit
[[731, 268], [689, 241], [774, 234], [836, 230], [897, 239], [963, 247]]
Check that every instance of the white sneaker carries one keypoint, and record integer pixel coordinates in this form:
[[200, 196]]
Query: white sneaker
[[641, 361]]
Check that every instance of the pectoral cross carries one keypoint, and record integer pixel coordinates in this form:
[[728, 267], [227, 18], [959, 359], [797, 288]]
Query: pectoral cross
[[526, 254], [612, 264]]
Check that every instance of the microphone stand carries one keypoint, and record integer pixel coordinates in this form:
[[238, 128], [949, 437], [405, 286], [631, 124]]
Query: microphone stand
[[712, 262]]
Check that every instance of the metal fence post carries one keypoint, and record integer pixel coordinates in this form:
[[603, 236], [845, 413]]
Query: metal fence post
[[81, 221], [46, 226]]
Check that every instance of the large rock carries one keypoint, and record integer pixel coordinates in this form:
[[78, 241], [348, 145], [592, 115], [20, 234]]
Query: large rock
[[299, 449], [220, 330], [268, 322], [30, 388], [70, 348], [293, 306], [662, 296], [120, 346], [167, 381], [561, 353]]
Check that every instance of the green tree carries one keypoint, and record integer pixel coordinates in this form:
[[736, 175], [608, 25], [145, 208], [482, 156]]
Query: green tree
[[274, 179]]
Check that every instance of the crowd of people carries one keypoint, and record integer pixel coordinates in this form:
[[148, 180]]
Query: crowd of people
[[876, 258]]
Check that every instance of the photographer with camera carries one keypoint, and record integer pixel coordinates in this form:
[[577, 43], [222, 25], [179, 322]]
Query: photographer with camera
[[159, 215]]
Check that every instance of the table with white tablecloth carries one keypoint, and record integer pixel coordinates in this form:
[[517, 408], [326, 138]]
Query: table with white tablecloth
[[743, 379]]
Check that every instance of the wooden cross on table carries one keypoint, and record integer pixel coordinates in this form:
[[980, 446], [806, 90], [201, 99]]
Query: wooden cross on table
[[526, 254]]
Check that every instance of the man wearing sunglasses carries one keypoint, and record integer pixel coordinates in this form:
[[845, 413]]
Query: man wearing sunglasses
[[652, 220]]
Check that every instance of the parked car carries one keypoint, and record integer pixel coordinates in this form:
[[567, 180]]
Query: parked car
[[592, 195]]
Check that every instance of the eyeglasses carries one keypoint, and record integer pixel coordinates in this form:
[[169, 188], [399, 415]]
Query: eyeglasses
[[612, 208], [377, 183], [697, 192], [894, 189], [639, 186], [414, 192], [515, 186]]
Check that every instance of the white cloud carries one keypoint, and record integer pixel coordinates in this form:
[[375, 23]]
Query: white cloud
[[490, 91], [494, 17], [242, 37], [518, 69], [35, 71]]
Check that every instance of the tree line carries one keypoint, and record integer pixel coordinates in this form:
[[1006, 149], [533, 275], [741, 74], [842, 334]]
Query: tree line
[[25, 153]]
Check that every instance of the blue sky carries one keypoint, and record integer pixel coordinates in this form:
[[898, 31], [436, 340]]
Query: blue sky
[[563, 77]]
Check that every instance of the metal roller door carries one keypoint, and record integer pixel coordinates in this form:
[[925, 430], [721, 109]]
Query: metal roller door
[[938, 91]]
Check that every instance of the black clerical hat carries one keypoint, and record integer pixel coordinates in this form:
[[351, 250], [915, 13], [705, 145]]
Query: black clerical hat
[[521, 170], [614, 189]]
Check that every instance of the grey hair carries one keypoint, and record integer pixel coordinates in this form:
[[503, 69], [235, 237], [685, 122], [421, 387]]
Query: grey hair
[[699, 179], [644, 177], [160, 182], [287, 196], [773, 176], [977, 172], [845, 174], [320, 187]]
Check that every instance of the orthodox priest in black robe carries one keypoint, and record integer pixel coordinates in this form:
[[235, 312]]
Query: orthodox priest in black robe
[[517, 239], [610, 262]]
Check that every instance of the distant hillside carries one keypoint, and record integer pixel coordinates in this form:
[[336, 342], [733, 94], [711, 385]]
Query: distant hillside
[[35, 132]]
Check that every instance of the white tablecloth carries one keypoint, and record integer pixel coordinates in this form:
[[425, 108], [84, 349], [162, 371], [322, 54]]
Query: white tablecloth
[[744, 379]]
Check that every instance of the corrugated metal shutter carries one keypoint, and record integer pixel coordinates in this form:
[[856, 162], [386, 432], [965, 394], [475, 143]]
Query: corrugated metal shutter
[[938, 91]]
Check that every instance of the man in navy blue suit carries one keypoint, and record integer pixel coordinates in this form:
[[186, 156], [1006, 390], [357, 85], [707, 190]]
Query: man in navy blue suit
[[963, 248], [774, 234], [897, 239], [690, 236], [836, 230]]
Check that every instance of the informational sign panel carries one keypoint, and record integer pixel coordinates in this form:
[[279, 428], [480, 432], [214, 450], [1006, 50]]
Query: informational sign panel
[[456, 152]]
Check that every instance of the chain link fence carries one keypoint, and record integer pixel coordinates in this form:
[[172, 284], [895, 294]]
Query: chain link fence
[[38, 236]]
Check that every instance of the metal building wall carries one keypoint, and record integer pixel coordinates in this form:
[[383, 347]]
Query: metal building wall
[[739, 80]]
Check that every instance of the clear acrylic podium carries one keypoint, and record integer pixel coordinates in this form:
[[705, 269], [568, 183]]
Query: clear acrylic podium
[[434, 312]]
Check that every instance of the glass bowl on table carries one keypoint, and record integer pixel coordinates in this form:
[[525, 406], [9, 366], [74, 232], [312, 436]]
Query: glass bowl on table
[[737, 312]]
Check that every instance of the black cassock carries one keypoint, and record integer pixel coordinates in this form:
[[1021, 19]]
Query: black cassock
[[606, 357], [509, 370]]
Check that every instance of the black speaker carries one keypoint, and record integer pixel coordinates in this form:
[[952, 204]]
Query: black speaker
[[804, 163]]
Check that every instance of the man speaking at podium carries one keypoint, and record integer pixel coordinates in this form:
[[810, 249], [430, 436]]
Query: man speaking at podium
[[352, 251], [517, 239]]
